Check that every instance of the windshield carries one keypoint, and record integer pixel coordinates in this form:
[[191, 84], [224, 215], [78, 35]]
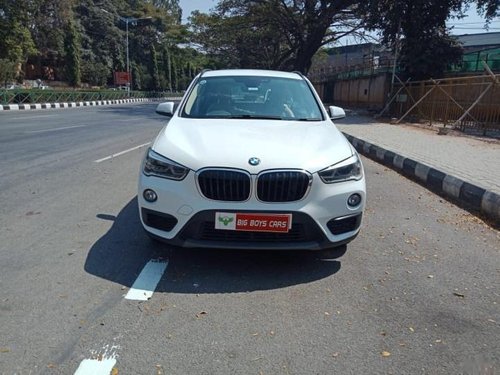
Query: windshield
[[252, 97]]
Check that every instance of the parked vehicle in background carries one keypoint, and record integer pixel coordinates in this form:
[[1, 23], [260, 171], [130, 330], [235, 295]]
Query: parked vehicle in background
[[13, 87], [251, 159]]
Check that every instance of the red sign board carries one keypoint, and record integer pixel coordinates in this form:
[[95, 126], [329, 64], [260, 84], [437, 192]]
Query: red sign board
[[251, 222], [121, 78]]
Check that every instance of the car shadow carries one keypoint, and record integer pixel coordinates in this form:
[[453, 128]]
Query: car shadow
[[120, 255], [142, 110]]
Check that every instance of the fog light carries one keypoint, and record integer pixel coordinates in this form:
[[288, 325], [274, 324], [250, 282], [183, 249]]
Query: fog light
[[354, 200], [150, 195]]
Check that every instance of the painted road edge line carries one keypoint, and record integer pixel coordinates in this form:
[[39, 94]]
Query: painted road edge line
[[54, 129], [102, 361], [96, 366], [121, 153], [148, 279]]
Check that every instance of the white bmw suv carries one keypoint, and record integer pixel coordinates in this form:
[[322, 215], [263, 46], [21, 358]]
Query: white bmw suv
[[251, 159]]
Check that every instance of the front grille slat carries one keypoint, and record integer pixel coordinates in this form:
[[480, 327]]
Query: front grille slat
[[224, 185], [235, 186], [284, 186]]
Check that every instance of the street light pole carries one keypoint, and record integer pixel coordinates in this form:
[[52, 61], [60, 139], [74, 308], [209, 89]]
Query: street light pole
[[128, 60]]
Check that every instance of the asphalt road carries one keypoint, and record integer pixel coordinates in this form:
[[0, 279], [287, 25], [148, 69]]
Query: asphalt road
[[416, 293]]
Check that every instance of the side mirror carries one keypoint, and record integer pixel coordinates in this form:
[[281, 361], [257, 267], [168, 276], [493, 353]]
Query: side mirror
[[165, 109], [336, 112]]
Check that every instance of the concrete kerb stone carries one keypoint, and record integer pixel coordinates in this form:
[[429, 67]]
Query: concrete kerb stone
[[464, 193], [452, 186], [399, 161], [422, 171], [490, 204]]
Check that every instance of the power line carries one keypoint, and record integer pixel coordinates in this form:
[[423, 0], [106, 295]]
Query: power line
[[476, 28], [471, 23]]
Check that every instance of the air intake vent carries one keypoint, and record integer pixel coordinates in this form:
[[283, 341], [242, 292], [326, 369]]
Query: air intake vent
[[344, 225]]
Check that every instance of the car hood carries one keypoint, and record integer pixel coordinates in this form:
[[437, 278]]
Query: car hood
[[197, 143]]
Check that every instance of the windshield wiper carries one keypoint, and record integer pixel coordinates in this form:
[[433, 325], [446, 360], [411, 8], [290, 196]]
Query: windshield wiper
[[259, 117], [308, 119]]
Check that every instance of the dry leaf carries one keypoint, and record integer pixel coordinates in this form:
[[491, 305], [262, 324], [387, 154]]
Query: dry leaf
[[51, 365], [459, 295], [114, 371], [438, 341], [4, 350], [385, 354], [411, 329], [327, 313], [335, 355], [430, 276], [200, 314]]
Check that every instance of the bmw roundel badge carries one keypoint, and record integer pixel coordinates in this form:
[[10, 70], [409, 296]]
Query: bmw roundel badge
[[254, 161]]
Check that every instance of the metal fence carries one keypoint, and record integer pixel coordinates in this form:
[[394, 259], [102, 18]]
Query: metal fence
[[28, 96], [470, 104]]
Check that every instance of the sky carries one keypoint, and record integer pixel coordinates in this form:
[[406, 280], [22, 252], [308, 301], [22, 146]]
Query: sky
[[189, 5], [472, 24]]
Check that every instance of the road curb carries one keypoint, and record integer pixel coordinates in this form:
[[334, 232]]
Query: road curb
[[455, 189], [21, 107]]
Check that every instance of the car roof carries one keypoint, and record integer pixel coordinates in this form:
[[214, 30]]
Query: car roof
[[251, 72]]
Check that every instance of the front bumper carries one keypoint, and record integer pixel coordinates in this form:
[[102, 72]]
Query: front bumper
[[181, 216]]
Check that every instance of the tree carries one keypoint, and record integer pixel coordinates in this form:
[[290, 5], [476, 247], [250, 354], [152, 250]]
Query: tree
[[426, 48], [95, 73], [72, 48], [154, 69], [16, 41], [8, 70], [279, 34], [488, 8]]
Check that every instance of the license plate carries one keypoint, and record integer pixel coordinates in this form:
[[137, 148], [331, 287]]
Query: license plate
[[250, 222]]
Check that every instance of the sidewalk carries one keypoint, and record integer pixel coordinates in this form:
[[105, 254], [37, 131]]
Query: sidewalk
[[464, 169]]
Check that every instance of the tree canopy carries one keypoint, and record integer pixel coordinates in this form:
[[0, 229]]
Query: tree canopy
[[85, 41], [279, 34], [417, 28], [286, 34]]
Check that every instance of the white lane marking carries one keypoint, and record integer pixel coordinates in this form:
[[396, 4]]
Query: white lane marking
[[55, 129], [102, 362], [121, 153], [146, 283], [31, 117], [96, 366]]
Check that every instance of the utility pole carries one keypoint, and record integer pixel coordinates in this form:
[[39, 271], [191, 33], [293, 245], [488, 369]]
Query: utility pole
[[396, 51]]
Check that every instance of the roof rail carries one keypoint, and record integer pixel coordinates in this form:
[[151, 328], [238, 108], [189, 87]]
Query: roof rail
[[204, 71], [299, 73]]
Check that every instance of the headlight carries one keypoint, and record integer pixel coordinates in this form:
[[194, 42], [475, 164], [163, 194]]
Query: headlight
[[159, 166], [349, 169]]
